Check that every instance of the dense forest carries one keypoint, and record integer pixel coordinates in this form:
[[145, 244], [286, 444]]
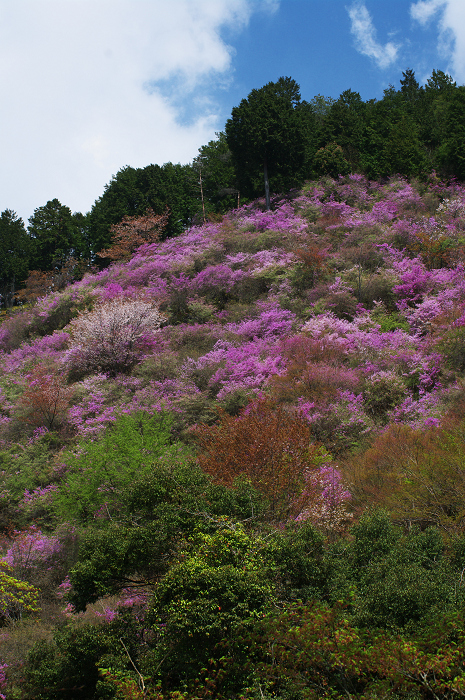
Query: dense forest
[[232, 432]]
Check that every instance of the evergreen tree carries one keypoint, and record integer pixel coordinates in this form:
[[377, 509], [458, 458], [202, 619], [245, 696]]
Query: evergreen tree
[[452, 149], [52, 230], [343, 125], [133, 190], [215, 168], [15, 251], [410, 86], [268, 133]]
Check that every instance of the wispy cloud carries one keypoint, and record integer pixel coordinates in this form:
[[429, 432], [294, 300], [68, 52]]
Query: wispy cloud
[[364, 33], [84, 90], [451, 30], [423, 10]]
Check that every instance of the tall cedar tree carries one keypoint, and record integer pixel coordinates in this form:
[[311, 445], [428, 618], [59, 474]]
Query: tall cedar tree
[[52, 232], [15, 251], [269, 133]]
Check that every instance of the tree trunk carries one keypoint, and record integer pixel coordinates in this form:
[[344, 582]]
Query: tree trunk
[[201, 193], [267, 185]]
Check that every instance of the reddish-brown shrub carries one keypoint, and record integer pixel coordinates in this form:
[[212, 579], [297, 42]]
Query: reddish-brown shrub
[[267, 445], [312, 268], [46, 399], [419, 476], [134, 231]]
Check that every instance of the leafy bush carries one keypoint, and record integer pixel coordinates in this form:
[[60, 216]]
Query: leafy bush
[[382, 392], [204, 605], [16, 597], [100, 470], [67, 667], [297, 557]]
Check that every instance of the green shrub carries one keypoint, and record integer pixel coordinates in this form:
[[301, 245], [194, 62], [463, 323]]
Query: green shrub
[[204, 606], [68, 666], [298, 562], [99, 470]]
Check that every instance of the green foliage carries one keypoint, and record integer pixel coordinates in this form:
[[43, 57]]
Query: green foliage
[[330, 160], [205, 603], [214, 165], [15, 251], [382, 393], [157, 511], [269, 131], [452, 345], [374, 536], [119, 557], [16, 597], [318, 653], [26, 467], [389, 321], [393, 581], [52, 231], [68, 667], [297, 557], [399, 592], [100, 470]]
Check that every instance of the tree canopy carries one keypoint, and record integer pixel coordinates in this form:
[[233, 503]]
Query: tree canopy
[[15, 251], [51, 229], [268, 132]]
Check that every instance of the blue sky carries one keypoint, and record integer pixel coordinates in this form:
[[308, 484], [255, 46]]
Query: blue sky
[[89, 86]]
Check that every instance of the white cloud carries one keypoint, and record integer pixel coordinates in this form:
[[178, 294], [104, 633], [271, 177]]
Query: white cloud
[[423, 10], [365, 37], [451, 30], [84, 88]]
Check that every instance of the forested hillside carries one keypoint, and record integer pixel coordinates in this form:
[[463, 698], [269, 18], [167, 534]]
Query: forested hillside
[[232, 460], [274, 140]]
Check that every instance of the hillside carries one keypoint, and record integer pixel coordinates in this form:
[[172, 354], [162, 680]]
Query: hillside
[[244, 392]]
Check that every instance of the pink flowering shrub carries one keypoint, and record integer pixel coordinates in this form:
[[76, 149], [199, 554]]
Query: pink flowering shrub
[[111, 337], [327, 506], [48, 347], [272, 321], [30, 550]]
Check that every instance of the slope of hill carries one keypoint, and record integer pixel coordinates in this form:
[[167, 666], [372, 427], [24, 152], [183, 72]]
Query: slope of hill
[[364, 280], [215, 378]]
